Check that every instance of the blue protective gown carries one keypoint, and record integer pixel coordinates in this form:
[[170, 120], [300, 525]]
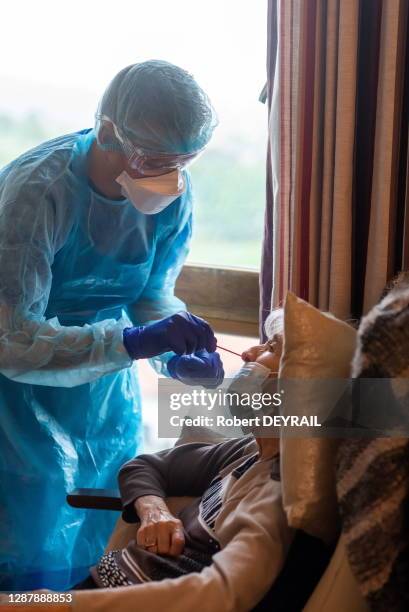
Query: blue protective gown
[[75, 269]]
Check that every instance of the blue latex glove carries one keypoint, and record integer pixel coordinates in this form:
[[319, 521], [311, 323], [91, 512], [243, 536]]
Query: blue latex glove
[[202, 368], [180, 333]]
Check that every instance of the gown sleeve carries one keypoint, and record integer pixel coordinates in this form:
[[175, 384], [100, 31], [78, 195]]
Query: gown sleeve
[[33, 349], [158, 299]]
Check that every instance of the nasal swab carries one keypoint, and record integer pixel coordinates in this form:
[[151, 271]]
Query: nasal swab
[[228, 350]]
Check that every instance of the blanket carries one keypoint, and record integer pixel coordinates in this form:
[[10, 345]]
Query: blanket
[[373, 472]]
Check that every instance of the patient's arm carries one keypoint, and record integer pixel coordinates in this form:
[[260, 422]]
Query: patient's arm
[[187, 469], [239, 576], [160, 531]]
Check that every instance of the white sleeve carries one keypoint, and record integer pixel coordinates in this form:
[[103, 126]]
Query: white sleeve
[[241, 573]]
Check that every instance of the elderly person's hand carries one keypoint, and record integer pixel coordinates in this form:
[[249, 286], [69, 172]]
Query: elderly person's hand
[[160, 532]]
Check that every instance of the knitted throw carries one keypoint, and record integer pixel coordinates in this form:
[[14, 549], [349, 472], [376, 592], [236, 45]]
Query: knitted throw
[[373, 473]]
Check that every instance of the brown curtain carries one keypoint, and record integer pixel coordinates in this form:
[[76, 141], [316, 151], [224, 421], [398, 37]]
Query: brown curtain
[[337, 225]]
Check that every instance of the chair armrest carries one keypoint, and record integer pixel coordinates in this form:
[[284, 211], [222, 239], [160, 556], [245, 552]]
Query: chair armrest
[[338, 589], [96, 499]]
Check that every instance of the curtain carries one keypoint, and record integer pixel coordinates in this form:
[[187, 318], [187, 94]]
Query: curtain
[[336, 222]]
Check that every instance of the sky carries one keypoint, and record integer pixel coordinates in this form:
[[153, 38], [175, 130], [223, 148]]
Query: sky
[[57, 57]]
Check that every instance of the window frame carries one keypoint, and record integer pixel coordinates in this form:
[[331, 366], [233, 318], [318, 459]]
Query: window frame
[[227, 297]]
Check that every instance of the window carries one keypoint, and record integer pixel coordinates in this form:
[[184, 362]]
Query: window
[[55, 71]]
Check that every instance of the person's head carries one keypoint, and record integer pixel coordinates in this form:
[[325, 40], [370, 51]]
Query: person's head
[[152, 119], [268, 354]]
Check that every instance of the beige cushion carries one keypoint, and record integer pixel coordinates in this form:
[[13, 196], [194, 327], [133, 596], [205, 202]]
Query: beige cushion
[[316, 346], [337, 591]]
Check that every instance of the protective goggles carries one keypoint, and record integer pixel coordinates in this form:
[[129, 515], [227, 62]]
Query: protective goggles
[[149, 162]]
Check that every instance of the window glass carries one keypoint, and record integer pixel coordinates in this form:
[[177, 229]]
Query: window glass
[[58, 58]]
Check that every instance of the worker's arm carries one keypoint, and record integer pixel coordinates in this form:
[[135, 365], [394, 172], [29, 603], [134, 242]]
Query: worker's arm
[[34, 349]]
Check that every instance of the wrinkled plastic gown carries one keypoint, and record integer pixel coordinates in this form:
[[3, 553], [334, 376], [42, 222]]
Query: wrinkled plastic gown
[[75, 269]]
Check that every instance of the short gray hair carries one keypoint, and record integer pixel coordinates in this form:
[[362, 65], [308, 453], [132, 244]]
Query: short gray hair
[[274, 324]]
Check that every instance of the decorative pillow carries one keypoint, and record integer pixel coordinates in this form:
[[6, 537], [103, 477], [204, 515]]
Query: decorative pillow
[[317, 346]]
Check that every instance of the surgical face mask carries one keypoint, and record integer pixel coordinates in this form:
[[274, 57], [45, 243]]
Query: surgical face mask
[[247, 385], [250, 378], [152, 194]]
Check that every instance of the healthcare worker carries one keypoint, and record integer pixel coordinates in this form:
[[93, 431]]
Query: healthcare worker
[[94, 229]]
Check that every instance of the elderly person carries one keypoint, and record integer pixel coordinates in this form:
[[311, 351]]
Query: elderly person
[[223, 550]]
